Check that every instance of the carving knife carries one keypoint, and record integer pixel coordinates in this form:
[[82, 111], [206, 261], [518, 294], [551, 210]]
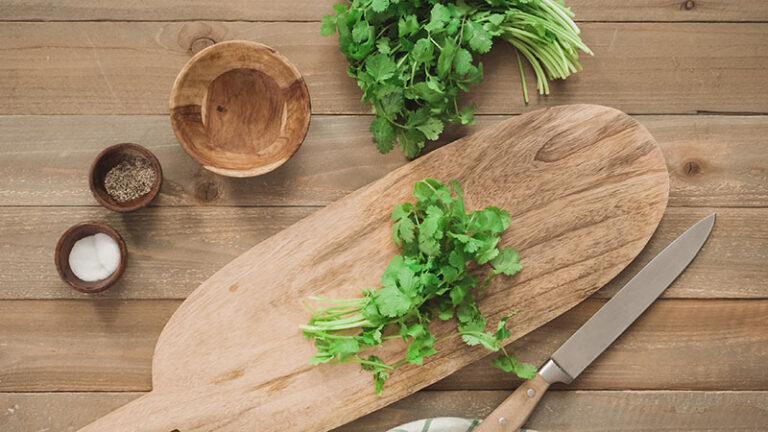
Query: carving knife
[[601, 329]]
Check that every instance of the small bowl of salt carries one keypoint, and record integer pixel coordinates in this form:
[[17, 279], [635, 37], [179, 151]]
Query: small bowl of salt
[[90, 257], [125, 177]]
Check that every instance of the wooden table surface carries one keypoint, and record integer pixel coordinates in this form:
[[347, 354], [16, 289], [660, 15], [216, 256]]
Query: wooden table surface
[[76, 77]]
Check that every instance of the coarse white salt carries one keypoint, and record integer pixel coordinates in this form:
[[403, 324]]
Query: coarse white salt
[[94, 257]]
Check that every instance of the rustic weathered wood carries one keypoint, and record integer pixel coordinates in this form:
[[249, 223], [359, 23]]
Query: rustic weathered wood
[[560, 411], [170, 251], [240, 109], [173, 250], [712, 160], [581, 411], [47, 158], [587, 185], [79, 345], [106, 345], [515, 410], [684, 344], [312, 10], [729, 265], [129, 67]]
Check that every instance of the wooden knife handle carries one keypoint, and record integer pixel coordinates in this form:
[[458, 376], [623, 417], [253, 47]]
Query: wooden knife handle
[[515, 410]]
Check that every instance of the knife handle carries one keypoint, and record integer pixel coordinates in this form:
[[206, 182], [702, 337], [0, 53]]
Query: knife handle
[[515, 410]]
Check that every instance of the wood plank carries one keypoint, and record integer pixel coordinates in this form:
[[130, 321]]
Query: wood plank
[[675, 344], [106, 345], [712, 160], [79, 345], [46, 161], [735, 254], [312, 10], [571, 411], [172, 250], [129, 67]]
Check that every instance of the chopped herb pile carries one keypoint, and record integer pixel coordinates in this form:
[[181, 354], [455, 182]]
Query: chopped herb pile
[[429, 278], [411, 57]]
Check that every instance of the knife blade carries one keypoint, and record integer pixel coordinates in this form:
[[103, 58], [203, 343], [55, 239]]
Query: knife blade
[[603, 328]]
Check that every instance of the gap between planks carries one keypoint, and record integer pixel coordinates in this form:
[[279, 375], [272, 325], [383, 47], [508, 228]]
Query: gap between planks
[[313, 10], [573, 411], [676, 344]]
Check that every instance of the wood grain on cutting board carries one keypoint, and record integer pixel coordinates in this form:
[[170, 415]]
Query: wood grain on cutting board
[[585, 185]]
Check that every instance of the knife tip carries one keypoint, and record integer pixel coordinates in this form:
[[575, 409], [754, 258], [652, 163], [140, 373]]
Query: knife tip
[[708, 221]]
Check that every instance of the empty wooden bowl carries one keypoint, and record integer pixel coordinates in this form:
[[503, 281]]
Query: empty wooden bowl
[[108, 159], [240, 109], [64, 247]]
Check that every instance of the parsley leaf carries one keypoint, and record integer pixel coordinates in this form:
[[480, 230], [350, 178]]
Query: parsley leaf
[[509, 363], [507, 262], [383, 134], [380, 67], [379, 5], [431, 129]]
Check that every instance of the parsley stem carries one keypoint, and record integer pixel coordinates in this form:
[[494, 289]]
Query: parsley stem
[[332, 336], [343, 301], [363, 323], [398, 363], [522, 75], [352, 319], [434, 42], [383, 30], [397, 124], [368, 362], [328, 316]]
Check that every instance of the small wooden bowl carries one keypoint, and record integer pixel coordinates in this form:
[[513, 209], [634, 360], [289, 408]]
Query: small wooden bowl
[[64, 247], [240, 109], [106, 160]]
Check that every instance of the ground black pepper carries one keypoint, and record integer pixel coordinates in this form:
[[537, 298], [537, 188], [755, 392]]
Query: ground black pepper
[[130, 179]]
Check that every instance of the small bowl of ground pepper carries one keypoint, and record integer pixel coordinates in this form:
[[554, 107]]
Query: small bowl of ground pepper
[[125, 177]]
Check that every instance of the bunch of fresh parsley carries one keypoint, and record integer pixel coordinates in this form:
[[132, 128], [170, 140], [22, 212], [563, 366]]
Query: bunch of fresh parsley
[[429, 278], [411, 57]]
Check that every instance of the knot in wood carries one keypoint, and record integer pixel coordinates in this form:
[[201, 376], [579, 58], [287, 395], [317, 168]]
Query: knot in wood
[[692, 168], [689, 4], [207, 191], [200, 44]]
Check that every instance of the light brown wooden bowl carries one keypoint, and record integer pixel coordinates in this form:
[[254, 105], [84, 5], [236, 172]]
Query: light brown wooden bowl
[[106, 160], [64, 247], [240, 109]]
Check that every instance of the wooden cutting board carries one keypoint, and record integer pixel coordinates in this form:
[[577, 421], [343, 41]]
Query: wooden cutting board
[[586, 186]]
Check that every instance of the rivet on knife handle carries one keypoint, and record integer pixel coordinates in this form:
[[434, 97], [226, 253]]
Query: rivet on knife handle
[[515, 410]]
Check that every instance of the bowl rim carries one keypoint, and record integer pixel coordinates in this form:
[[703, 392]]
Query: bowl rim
[[230, 172], [98, 191], [62, 262]]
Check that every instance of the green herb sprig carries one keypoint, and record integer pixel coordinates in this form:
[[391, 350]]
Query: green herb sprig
[[429, 278], [411, 57]]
